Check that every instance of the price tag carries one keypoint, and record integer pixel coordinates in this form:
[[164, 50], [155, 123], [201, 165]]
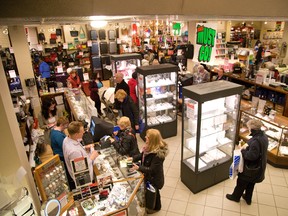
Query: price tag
[[12, 73], [86, 76], [11, 50], [65, 46], [60, 69], [81, 53], [89, 43]]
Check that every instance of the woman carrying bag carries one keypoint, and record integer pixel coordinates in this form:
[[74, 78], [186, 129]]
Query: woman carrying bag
[[152, 158], [254, 154]]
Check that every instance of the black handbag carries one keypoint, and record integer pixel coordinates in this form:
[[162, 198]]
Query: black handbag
[[150, 196], [74, 33]]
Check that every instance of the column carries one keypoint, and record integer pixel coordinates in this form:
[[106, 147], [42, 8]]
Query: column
[[191, 38], [285, 39], [24, 64], [13, 154]]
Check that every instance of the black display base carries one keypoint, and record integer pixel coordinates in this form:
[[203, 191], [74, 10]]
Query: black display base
[[167, 130], [197, 182]]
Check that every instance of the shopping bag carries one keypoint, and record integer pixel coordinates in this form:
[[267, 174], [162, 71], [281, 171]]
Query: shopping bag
[[150, 196], [237, 164]]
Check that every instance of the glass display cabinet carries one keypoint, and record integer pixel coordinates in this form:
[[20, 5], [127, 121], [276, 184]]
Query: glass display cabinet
[[125, 64], [157, 92], [209, 125], [277, 152]]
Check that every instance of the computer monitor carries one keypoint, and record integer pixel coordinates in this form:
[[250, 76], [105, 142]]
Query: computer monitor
[[100, 128]]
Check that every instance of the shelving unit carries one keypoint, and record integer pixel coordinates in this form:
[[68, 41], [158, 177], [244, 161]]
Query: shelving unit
[[221, 49]]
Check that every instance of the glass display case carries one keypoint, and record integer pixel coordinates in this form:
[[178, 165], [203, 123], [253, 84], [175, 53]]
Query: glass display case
[[126, 64], [157, 92], [80, 106], [277, 153], [209, 125], [125, 194]]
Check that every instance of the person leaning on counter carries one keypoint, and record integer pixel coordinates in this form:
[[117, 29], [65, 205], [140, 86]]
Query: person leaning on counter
[[72, 148], [73, 81]]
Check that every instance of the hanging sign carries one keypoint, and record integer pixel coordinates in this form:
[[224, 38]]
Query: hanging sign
[[205, 42]]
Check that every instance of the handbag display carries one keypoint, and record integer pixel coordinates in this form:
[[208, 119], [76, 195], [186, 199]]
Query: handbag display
[[82, 33], [74, 33], [41, 37], [150, 196], [93, 35], [111, 35], [59, 32], [52, 41], [53, 36], [103, 48], [102, 34], [112, 47], [95, 48]]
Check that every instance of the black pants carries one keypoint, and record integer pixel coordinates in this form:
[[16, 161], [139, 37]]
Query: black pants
[[98, 105], [69, 178], [158, 201], [242, 186]]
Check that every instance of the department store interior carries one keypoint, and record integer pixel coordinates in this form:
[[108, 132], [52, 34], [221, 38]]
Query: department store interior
[[95, 38]]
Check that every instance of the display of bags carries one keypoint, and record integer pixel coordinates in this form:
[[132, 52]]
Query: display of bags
[[96, 62], [150, 196], [102, 34], [74, 33], [103, 47], [111, 35], [95, 48], [41, 37], [58, 32], [52, 41], [53, 36], [82, 33], [93, 35], [112, 47]]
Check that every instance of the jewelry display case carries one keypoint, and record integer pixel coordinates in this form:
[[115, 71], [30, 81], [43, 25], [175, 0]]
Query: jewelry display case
[[126, 64], [80, 106], [209, 124], [157, 92], [277, 152], [125, 189]]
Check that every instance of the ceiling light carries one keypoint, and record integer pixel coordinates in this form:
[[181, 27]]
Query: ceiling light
[[98, 23], [265, 23], [5, 31]]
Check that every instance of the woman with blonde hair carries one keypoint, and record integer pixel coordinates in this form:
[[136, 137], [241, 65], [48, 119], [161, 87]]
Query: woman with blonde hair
[[128, 108], [125, 143], [152, 158]]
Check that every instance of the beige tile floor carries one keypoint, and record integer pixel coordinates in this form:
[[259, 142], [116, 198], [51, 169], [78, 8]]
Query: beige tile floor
[[270, 197]]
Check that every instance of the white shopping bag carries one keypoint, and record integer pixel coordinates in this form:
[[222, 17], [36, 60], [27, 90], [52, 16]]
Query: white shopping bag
[[237, 164]]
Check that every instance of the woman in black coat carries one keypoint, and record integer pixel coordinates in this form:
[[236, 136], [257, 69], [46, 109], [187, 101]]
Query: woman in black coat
[[125, 143], [128, 108], [254, 154], [94, 85], [152, 158]]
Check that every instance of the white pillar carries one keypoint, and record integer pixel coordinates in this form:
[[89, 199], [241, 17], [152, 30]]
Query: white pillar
[[24, 63], [13, 154], [191, 38], [285, 39]]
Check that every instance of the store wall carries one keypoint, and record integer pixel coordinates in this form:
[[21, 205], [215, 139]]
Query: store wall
[[285, 39], [13, 154], [24, 63], [4, 38], [191, 38]]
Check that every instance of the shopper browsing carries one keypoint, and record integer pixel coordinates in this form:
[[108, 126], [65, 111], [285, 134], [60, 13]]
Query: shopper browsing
[[152, 158], [132, 83], [125, 142], [94, 85], [73, 81], [255, 155]]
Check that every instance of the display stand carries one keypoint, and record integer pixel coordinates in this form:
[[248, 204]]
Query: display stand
[[52, 182], [209, 121], [157, 90], [277, 153], [125, 64]]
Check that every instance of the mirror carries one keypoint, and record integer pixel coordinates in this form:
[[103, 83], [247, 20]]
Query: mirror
[[51, 208]]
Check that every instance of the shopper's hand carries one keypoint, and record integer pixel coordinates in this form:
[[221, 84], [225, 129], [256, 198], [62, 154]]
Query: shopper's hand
[[244, 146], [115, 133], [135, 167], [111, 139], [94, 155], [237, 147]]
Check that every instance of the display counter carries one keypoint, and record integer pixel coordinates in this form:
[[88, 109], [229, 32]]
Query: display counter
[[240, 79], [116, 192]]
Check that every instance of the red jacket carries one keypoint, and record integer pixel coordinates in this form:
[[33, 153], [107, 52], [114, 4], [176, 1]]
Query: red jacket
[[75, 82], [132, 83]]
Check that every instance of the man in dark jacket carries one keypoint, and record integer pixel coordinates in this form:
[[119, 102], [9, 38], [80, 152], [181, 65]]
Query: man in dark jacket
[[121, 84], [255, 155]]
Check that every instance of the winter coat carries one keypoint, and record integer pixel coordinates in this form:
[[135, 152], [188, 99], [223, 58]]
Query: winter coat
[[127, 143], [94, 91], [251, 155], [152, 166], [130, 110], [132, 83], [122, 85]]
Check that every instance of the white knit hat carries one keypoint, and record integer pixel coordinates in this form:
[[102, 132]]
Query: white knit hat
[[69, 70]]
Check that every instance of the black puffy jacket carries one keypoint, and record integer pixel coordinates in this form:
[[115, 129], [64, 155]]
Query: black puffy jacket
[[251, 155], [152, 166]]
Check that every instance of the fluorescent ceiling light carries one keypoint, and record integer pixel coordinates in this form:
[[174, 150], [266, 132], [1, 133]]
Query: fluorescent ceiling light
[[98, 23]]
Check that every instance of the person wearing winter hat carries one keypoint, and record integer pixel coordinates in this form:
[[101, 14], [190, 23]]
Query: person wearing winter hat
[[254, 154], [73, 81]]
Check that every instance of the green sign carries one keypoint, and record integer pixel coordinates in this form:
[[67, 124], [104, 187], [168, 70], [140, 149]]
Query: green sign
[[205, 38]]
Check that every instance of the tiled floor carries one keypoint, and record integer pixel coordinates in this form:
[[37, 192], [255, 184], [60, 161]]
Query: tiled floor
[[270, 197]]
